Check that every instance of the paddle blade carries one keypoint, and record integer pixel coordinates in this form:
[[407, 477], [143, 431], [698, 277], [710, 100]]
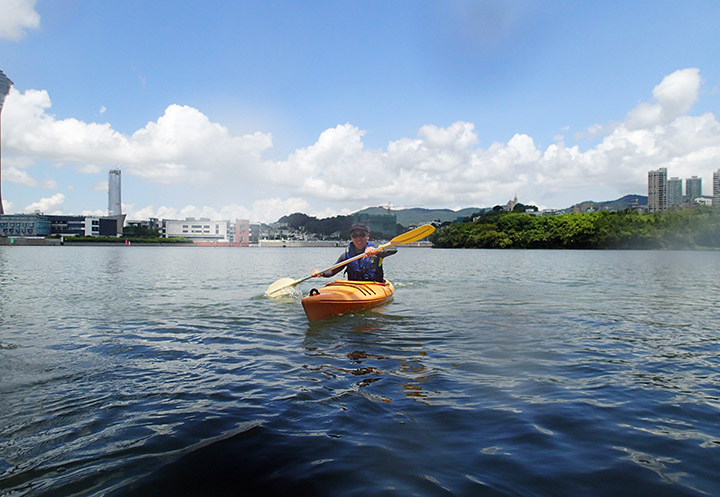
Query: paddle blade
[[280, 287], [413, 235]]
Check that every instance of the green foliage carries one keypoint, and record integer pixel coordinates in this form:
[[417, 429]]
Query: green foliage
[[115, 240], [140, 232], [677, 229], [312, 224]]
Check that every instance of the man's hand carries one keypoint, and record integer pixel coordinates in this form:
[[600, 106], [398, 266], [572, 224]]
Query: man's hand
[[315, 273], [370, 251]]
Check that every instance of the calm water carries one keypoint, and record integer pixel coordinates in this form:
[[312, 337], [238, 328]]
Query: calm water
[[146, 371]]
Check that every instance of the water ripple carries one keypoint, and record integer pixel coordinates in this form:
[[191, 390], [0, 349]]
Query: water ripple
[[516, 373]]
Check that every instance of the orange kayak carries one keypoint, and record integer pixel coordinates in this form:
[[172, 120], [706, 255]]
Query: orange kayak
[[341, 296]]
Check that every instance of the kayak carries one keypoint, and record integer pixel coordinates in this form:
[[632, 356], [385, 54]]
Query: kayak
[[341, 296]]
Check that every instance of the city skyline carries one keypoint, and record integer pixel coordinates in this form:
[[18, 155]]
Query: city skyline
[[664, 192], [258, 111]]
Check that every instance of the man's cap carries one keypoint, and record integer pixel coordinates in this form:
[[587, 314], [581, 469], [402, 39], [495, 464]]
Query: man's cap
[[359, 227]]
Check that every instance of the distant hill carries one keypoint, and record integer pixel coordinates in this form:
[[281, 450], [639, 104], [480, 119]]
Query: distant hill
[[613, 205], [417, 216]]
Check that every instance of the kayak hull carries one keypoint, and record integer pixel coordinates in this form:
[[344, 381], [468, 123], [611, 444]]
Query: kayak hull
[[341, 296]]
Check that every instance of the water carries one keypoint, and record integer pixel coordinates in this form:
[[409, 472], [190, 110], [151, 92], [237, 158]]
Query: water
[[146, 371]]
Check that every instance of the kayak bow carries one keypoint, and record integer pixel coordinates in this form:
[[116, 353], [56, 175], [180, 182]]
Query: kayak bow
[[341, 296]]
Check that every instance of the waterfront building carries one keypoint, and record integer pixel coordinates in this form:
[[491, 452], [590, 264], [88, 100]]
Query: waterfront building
[[254, 233], [675, 195], [716, 188], [241, 233], [32, 225], [657, 190], [197, 230], [24, 225], [152, 223], [693, 189], [86, 225]]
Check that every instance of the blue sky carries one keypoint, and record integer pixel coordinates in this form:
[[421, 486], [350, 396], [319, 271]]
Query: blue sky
[[260, 109]]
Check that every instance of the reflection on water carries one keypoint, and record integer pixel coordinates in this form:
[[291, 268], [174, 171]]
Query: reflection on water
[[164, 371]]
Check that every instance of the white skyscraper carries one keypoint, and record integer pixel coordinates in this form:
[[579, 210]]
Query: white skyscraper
[[114, 199], [657, 190]]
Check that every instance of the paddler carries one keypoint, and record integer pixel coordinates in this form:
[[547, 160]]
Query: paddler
[[368, 268]]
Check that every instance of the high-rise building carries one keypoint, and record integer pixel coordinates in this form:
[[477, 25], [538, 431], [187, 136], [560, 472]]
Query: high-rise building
[[5, 85], [657, 190], [114, 199], [693, 188], [675, 195], [716, 187]]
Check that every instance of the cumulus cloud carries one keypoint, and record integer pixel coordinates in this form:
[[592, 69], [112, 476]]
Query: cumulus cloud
[[267, 210], [673, 96], [21, 177], [182, 146], [46, 205], [16, 16], [439, 167]]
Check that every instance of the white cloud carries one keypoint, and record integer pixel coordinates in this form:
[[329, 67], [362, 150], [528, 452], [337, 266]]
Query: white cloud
[[15, 17], [673, 96], [183, 146], [21, 177], [267, 211], [441, 166], [46, 204], [89, 168]]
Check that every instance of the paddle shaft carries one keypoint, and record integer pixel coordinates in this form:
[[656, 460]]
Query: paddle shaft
[[410, 236]]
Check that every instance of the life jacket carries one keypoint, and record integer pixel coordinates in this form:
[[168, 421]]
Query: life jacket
[[365, 268]]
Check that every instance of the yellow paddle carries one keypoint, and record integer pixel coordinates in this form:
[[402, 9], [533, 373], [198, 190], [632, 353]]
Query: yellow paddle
[[277, 287]]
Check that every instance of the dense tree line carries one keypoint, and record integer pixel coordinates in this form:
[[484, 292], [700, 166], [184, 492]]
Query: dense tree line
[[331, 225], [694, 228], [311, 224], [140, 232]]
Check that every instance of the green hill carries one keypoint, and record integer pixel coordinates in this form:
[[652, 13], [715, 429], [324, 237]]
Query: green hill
[[612, 205], [417, 216]]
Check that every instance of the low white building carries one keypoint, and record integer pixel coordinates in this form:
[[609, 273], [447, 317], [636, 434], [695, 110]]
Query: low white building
[[201, 230]]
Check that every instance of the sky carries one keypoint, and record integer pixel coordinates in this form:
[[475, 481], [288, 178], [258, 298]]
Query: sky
[[256, 110]]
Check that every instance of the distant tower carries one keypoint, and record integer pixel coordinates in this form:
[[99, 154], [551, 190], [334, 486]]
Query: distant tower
[[675, 196], [5, 85], [716, 188], [693, 188], [657, 190], [114, 202]]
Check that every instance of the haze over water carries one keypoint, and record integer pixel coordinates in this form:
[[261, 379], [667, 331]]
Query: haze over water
[[164, 371]]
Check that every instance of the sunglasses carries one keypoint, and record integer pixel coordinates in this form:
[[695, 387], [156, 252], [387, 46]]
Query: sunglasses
[[358, 235]]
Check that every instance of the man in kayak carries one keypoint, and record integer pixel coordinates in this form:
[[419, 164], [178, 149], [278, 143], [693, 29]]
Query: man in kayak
[[368, 268]]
